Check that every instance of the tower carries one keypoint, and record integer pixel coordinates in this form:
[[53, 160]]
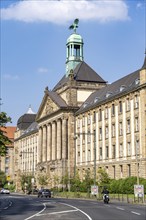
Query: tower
[[74, 49]]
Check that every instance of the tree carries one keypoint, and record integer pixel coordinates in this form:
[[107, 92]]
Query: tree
[[4, 140], [2, 178]]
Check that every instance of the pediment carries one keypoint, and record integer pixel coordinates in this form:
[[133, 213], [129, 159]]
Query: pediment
[[48, 107]]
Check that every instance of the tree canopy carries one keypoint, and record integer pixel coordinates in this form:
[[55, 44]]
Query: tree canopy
[[4, 140]]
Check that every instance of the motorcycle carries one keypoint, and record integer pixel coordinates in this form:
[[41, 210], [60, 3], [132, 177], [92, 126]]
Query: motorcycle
[[106, 198]]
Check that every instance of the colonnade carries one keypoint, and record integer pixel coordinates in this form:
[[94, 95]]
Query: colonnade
[[52, 144]]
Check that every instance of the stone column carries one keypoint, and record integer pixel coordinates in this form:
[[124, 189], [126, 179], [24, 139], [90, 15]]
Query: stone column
[[59, 140], [53, 141], [49, 142], [39, 153], [44, 156], [64, 138]]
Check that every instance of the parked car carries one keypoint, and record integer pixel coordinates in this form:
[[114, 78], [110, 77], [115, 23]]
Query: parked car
[[5, 191], [44, 193]]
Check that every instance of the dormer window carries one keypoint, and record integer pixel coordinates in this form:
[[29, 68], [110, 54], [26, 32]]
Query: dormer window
[[108, 94], [96, 99], [122, 87], [85, 104], [137, 81]]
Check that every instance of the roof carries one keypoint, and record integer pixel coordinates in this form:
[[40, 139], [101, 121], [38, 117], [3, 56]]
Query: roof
[[31, 129], [57, 99], [83, 72], [144, 64], [25, 120], [9, 131], [110, 91]]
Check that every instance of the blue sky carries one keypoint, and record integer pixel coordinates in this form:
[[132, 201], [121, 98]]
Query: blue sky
[[33, 44]]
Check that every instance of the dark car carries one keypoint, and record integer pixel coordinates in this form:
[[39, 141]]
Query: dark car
[[44, 193]]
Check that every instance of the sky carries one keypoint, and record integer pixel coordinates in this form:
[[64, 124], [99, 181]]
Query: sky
[[33, 36]]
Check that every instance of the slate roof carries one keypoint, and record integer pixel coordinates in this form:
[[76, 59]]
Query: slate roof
[[110, 91], [57, 99], [31, 129], [83, 72], [25, 121]]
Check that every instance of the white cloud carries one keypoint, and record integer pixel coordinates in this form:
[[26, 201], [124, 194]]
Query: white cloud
[[42, 70], [139, 5], [63, 11], [10, 77]]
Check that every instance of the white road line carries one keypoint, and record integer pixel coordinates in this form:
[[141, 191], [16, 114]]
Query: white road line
[[53, 213], [120, 208], [78, 210], [136, 213], [37, 212]]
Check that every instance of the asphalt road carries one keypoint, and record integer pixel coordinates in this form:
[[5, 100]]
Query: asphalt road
[[21, 207]]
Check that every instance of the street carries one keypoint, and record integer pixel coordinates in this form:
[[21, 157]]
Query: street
[[24, 207]]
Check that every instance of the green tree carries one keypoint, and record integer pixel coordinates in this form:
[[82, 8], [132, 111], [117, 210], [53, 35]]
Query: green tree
[[4, 140], [43, 180], [103, 178], [2, 178]]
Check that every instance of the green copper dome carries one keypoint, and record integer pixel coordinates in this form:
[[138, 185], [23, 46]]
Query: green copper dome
[[76, 38]]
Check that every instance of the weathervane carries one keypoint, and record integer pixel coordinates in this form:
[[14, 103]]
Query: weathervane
[[74, 26]]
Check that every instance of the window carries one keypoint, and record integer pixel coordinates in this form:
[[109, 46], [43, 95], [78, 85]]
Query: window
[[78, 122], [7, 160], [114, 171], [128, 104], [89, 119], [83, 138], [94, 117], [83, 120], [136, 124], [106, 152], [106, 132], [106, 112], [88, 137], [121, 171], [121, 150], [120, 128], [120, 107], [136, 102], [78, 156], [89, 155], [83, 156], [113, 152], [113, 109], [128, 125], [113, 130], [6, 170], [129, 170], [100, 153], [137, 147], [128, 149], [100, 115], [100, 133]]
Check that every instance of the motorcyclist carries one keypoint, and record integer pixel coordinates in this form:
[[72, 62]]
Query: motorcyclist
[[105, 193]]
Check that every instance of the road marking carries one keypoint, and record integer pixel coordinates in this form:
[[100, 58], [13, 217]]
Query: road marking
[[120, 208], [78, 210], [52, 213], [136, 213], [37, 212]]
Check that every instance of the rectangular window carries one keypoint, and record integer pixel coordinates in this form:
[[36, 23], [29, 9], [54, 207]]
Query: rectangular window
[[83, 156], [121, 171], [129, 170], [83, 138], [114, 171], [120, 128], [89, 155], [83, 120], [78, 160], [78, 122], [89, 119], [100, 133], [137, 147], [107, 153], [106, 112], [128, 149], [100, 115], [106, 132], [100, 153], [7, 160], [113, 109], [136, 102], [113, 152], [88, 137], [128, 125], [94, 117], [121, 150], [120, 107], [136, 124], [113, 130], [128, 104]]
